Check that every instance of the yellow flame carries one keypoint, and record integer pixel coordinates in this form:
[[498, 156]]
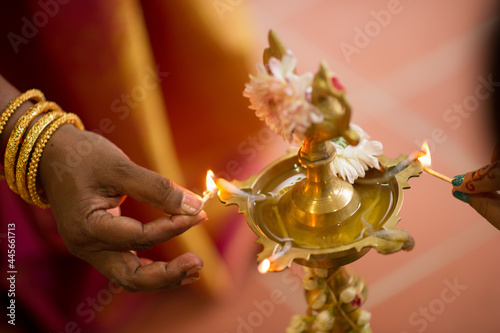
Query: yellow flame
[[426, 158], [264, 266], [210, 181]]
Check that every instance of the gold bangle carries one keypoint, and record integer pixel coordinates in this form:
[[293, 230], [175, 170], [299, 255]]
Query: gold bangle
[[16, 137], [33, 94], [25, 152], [69, 118]]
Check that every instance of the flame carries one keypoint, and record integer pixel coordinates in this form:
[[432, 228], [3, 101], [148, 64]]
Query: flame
[[264, 266], [211, 186], [426, 158]]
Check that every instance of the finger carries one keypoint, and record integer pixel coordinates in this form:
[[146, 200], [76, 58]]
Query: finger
[[486, 179], [150, 188], [126, 270], [121, 232], [488, 205]]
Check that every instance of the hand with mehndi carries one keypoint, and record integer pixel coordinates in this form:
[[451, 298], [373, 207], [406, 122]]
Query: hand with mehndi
[[480, 189]]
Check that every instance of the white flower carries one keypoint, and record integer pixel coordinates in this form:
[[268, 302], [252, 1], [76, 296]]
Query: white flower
[[319, 301], [324, 321], [309, 282], [364, 317], [282, 98], [297, 324], [352, 161], [347, 295]]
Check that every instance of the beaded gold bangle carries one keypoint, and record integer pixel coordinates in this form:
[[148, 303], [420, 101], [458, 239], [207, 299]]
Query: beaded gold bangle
[[25, 152], [16, 137], [33, 94], [69, 118]]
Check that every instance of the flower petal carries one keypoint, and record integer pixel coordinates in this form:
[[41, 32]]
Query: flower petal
[[281, 98]]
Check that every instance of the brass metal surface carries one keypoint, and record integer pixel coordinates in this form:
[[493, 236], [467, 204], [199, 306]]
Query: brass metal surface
[[300, 210], [326, 246]]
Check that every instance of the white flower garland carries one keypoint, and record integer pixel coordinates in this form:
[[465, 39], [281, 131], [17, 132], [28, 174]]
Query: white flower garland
[[282, 98], [352, 161]]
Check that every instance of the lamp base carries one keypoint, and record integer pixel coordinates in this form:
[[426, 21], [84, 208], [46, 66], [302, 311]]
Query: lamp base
[[334, 298]]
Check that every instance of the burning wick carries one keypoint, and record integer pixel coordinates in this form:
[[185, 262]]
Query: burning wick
[[426, 163], [266, 263], [264, 266], [212, 189], [423, 155], [392, 172], [226, 186]]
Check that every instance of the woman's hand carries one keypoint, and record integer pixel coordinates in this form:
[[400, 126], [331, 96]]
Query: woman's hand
[[82, 192], [480, 189]]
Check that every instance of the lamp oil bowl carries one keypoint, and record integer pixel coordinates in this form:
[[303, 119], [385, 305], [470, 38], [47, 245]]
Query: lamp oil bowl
[[322, 233], [303, 212]]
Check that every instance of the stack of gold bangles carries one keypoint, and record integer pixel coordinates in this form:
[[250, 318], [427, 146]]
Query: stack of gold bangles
[[25, 147]]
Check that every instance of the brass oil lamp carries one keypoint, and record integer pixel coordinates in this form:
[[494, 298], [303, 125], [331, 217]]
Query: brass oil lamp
[[303, 213]]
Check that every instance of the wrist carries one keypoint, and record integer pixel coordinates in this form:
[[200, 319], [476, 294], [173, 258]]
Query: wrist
[[7, 94], [9, 126], [55, 163], [26, 129]]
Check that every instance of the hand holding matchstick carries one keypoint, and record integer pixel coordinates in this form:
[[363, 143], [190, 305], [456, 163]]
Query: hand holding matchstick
[[480, 189]]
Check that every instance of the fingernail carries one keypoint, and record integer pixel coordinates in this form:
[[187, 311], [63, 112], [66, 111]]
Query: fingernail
[[189, 279], [191, 204], [193, 270], [457, 180], [201, 221], [461, 196]]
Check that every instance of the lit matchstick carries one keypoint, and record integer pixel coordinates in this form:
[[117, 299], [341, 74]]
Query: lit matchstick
[[426, 163], [212, 189]]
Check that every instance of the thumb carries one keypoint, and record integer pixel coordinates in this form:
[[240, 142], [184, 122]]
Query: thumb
[[486, 179], [488, 206], [155, 190]]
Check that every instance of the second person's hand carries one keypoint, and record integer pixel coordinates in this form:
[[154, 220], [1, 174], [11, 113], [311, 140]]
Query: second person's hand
[[80, 197]]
